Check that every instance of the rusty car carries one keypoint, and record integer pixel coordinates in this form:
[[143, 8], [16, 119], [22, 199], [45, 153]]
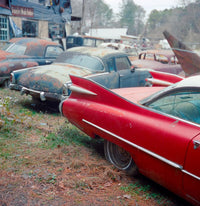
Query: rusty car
[[108, 67], [151, 130], [188, 59], [21, 53], [159, 60]]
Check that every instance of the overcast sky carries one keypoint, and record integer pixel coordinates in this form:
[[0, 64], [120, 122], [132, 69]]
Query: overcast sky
[[148, 5]]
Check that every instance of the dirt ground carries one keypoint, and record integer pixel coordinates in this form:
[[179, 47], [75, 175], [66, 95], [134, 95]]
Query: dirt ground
[[44, 160]]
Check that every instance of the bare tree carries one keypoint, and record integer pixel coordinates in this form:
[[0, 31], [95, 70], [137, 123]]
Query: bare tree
[[184, 3]]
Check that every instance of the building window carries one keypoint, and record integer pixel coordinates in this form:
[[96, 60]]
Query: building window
[[4, 28], [29, 28], [56, 30]]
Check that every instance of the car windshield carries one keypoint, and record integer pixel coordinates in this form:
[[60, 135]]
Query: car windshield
[[78, 59]]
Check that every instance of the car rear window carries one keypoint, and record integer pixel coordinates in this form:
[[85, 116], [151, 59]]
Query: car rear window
[[78, 59], [16, 48]]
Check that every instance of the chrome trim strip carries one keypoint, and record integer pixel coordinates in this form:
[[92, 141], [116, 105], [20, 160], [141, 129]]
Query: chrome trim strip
[[81, 90], [46, 95], [24, 89], [190, 174], [137, 146]]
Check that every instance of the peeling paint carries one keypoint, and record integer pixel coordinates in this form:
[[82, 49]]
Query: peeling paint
[[92, 63]]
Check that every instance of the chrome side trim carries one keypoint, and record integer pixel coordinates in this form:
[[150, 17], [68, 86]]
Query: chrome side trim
[[81, 90], [137, 146], [190, 174]]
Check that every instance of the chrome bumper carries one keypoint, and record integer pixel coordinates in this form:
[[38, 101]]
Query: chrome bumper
[[43, 96]]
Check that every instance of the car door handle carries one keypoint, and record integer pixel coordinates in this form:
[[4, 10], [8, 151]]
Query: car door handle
[[121, 75], [196, 144]]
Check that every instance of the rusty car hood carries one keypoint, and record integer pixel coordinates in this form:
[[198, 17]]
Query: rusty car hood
[[50, 78]]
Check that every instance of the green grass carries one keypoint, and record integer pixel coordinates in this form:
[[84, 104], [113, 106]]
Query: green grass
[[24, 137], [145, 190], [66, 135]]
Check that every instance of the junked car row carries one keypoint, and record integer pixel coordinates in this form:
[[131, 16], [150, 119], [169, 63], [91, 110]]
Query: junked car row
[[110, 68], [151, 130]]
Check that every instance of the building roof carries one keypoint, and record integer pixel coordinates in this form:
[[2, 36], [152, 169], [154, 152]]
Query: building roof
[[4, 10], [108, 33]]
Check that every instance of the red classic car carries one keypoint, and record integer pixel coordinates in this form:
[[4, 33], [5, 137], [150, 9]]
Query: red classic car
[[151, 130]]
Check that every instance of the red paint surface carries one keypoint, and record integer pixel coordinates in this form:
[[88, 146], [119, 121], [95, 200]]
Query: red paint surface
[[161, 134]]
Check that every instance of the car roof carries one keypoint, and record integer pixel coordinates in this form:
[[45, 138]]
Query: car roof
[[27, 40], [96, 51], [189, 82], [193, 81]]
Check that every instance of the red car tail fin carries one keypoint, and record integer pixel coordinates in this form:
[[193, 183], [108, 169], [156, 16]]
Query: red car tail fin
[[83, 88], [163, 78]]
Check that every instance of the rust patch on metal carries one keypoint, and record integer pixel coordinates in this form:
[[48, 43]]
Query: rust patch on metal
[[7, 67], [50, 78], [34, 46], [4, 55], [94, 51]]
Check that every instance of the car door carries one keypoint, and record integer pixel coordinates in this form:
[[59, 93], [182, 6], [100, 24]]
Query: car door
[[191, 180], [169, 137], [129, 77]]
